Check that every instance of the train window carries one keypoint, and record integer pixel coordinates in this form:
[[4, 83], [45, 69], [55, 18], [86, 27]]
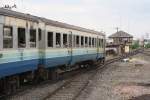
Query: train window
[[82, 41], [77, 41], [65, 43], [32, 38], [21, 38], [86, 41], [92, 42], [50, 39], [58, 40], [40, 34], [89, 41], [7, 37]]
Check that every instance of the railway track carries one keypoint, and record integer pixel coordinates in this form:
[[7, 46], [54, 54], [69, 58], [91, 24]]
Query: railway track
[[146, 52], [72, 88]]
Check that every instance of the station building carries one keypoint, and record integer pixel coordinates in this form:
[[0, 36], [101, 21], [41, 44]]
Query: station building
[[121, 42]]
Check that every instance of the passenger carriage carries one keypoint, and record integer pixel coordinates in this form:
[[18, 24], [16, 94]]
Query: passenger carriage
[[31, 46]]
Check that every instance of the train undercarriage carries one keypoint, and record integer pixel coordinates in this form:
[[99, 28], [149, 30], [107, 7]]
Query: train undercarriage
[[11, 84]]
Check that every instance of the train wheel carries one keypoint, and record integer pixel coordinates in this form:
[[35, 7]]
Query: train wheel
[[53, 74], [92, 64], [1, 86], [26, 78], [41, 74], [11, 84]]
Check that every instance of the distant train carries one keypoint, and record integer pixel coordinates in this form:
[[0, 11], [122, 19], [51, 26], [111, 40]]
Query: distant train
[[32, 47]]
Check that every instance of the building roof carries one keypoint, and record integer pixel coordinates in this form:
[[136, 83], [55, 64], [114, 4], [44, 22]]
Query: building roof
[[24, 16], [121, 34], [20, 15]]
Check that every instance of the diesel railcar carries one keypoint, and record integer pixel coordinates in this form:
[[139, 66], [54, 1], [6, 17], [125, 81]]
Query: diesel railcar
[[33, 48]]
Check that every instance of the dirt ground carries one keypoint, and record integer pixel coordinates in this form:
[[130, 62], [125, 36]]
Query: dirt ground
[[122, 81]]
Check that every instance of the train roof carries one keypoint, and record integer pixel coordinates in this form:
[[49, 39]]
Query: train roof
[[24, 16]]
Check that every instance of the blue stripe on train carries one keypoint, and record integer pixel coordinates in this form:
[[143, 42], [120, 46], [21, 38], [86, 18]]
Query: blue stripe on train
[[30, 65], [17, 67], [52, 62]]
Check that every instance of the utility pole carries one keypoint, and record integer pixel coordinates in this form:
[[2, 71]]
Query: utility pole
[[117, 28]]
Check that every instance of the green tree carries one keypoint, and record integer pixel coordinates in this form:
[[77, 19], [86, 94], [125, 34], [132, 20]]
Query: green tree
[[135, 45], [147, 45]]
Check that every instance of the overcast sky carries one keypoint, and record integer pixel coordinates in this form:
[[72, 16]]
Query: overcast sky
[[132, 16]]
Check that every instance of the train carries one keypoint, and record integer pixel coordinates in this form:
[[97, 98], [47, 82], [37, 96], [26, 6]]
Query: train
[[37, 48]]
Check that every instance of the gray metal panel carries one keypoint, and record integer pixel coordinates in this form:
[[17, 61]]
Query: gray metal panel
[[79, 41], [15, 14], [37, 38], [61, 39], [1, 19], [68, 26], [91, 42], [83, 41], [27, 37], [15, 37], [67, 40], [44, 39], [88, 42], [42, 43], [1, 36], [54, 39]]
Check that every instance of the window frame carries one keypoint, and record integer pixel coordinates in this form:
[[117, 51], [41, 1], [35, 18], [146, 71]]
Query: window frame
[[89, 42], [60, 46], [39, 34], [77, 40], [48, 39], [86, 42], [82, 42], [25, 38], [67, 44], [35, 38], [93, 42], [6, 26]]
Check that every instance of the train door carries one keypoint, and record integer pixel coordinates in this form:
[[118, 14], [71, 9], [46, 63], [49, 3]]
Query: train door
[[42, 42], [40, 47], [22, 41]]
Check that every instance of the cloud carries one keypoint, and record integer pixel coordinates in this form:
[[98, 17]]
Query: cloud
[[130, 15]]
